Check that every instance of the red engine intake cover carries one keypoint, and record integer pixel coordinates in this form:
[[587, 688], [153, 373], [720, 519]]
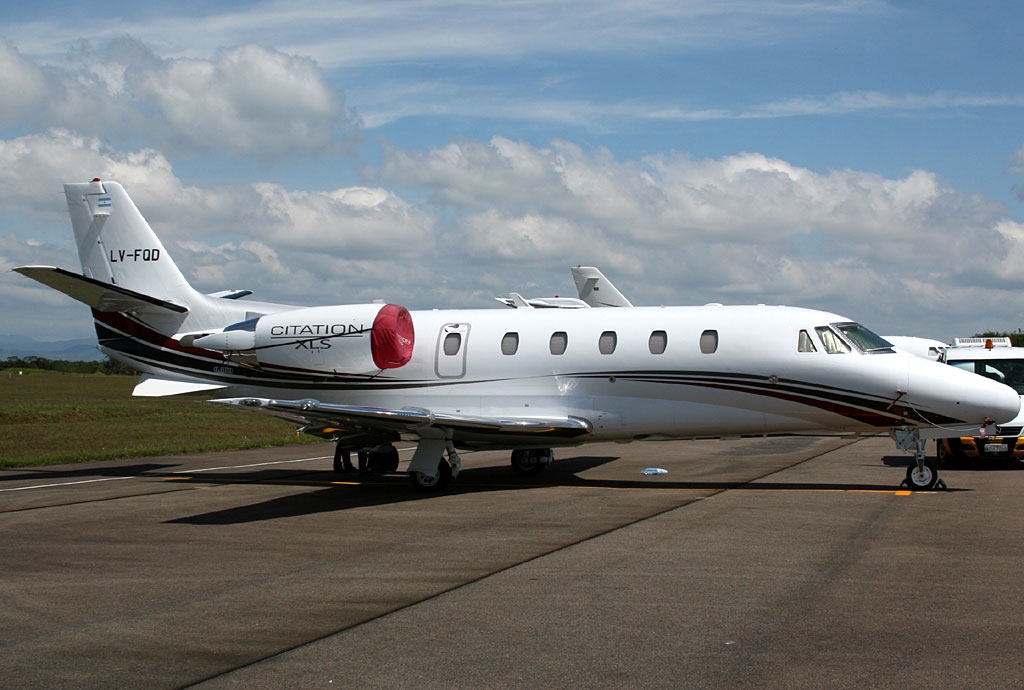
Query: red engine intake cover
[[393, 337]]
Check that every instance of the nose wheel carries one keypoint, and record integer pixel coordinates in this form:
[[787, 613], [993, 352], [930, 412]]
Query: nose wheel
[[923, 475]]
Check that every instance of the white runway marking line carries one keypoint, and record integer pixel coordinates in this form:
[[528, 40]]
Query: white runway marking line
[[203, 469], [263, 464], [255, 464], [81, 481]]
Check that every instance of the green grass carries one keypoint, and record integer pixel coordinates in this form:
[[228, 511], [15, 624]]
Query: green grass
[[48, 418]]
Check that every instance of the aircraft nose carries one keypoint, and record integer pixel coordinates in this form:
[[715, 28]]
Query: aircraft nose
[[963, 396]]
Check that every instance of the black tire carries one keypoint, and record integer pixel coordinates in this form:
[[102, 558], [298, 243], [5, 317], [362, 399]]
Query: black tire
[[384, 461], [924, 479], [527, 462], [338, 468], [422, 482]]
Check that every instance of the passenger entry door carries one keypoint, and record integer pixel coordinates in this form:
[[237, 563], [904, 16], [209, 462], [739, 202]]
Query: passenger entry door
[[452, 342]]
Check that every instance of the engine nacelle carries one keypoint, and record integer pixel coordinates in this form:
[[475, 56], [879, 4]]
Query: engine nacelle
[[358, 339]]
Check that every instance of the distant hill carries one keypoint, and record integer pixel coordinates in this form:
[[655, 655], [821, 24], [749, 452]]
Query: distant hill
[[80, 350]]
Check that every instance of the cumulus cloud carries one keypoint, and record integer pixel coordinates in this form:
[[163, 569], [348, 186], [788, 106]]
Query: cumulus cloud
[[505, 215], [297, 245], [22, 83], [746, 227], [247, 102]]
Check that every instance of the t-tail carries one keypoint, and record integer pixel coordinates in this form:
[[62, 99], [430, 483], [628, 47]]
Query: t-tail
[[118, 247], [143, 306]]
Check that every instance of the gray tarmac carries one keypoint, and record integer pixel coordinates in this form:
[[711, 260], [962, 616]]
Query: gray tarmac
[[754, 563]]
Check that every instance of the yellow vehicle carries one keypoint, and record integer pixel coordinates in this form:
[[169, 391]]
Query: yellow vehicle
[[997, 359]]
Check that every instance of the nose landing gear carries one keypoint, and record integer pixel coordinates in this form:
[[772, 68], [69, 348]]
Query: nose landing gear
[[922, 474]]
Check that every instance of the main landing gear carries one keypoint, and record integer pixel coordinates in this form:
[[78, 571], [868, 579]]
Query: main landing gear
[[379, 460], [526, 461], [435, 463], [923, 473]]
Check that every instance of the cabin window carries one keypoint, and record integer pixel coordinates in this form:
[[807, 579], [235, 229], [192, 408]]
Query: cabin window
[[657, 342], [452, 343], [806, 344], [559, 341], [510, 343], [834, 345], [709, 342], [606, 343]]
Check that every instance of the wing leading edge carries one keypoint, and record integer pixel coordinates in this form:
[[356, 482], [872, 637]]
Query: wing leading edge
[[338, 421]]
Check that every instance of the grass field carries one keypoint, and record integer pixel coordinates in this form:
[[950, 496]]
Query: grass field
[[48, 418]]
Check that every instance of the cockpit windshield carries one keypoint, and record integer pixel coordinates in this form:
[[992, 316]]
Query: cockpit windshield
[[863, 339]]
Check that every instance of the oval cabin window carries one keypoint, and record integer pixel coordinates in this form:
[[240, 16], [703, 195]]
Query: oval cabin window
[[657, 342], [709, 342], [452, 343], [559, 341], [606, 343], [510, 344]]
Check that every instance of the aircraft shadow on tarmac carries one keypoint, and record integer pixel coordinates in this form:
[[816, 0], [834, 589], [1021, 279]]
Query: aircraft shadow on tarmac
[[89, 470], [354, 491], [980, 464]]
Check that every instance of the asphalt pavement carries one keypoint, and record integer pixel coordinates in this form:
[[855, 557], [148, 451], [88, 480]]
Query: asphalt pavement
[[752, 563]]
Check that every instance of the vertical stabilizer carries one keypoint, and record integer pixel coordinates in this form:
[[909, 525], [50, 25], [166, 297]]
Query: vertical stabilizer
[[116, 244], [596, 290]]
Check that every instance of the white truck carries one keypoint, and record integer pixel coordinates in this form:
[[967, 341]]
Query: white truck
[[997, 359]]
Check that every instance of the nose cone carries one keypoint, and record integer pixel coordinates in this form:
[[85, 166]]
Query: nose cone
[[956, 396]]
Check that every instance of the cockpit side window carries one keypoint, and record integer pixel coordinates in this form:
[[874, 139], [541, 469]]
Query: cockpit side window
[[806, 344], [834, 345]]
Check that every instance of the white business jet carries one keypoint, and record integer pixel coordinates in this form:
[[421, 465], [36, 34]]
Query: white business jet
[[526, 380]]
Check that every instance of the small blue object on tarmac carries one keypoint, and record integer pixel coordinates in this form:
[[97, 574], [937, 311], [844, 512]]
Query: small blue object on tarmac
[[655, 470]]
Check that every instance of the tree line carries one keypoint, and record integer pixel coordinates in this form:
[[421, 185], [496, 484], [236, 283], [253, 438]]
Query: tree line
[[1016, 338], [106, 366]]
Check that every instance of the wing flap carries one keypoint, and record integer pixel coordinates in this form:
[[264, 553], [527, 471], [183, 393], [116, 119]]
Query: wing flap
[[409, 420], [104, 297]]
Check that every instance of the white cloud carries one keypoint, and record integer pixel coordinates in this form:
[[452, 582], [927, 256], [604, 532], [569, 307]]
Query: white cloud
[[22, 84], [365, 31], [740, 228], [248, 102], [508, 216]]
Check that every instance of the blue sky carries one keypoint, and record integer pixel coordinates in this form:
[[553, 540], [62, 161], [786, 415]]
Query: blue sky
[[859, 156]]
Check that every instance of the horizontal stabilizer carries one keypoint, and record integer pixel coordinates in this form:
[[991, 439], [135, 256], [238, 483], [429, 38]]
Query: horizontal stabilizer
[[100, 296], [156, 387], [230, 294]]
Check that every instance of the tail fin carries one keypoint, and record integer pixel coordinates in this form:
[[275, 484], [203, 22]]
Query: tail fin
[[117, 246], [596, 290]]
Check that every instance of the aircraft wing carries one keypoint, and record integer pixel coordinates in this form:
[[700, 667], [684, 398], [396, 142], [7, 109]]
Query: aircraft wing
[[342, 421], [100, 296]]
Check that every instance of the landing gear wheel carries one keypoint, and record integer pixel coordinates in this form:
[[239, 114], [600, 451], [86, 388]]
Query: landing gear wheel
[[533, 461], [342, 459], [384, 461], [423, 482], [922, 477]]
